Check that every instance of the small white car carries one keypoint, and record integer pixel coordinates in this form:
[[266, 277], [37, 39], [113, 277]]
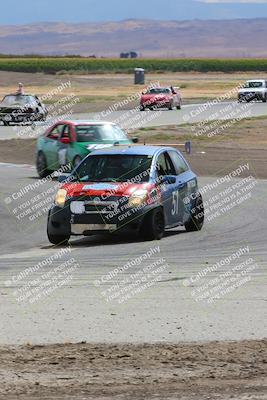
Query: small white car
[[255, 89]]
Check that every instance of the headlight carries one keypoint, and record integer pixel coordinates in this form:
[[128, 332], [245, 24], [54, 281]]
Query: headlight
[[61, 197], [137, 198]]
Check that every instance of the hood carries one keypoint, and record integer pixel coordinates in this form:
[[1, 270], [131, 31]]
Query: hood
[[103, 190], [147, 97], [99, 146], [4, 107], [249, 90]]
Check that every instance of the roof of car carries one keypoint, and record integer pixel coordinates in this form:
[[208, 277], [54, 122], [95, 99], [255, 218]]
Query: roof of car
[[20, 94], [131, 150], [160, 87], [86, 122]]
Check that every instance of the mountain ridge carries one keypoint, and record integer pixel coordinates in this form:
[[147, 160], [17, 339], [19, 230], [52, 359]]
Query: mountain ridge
[[150, 38]]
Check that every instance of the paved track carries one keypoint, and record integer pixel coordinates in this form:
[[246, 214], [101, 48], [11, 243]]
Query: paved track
[[133, 119], [165, 312]]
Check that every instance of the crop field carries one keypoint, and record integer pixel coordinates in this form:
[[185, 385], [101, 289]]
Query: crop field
[[89, 65]]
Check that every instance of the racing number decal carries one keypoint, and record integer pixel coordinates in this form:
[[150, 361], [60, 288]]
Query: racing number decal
[[175, 202]]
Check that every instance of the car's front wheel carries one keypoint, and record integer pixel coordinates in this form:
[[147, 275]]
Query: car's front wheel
[[196, 220], [153, 225], [57, 239], [41, 165]]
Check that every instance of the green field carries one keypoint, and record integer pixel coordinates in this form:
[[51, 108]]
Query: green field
[[87, 65]]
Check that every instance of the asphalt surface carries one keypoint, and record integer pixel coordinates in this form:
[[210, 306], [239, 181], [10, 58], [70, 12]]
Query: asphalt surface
[[169, 310], [133, 119]]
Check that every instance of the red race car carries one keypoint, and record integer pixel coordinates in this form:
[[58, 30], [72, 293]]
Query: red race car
[[161, 97]]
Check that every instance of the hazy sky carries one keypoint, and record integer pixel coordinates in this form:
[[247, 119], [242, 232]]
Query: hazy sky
[[24, 11]]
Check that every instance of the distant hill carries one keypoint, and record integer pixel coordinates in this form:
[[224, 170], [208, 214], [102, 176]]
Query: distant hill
[[224, 38]]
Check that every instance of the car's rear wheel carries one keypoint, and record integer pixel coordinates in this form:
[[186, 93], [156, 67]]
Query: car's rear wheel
[[153, 225], [264, 98], [196, 220], [41, 165]]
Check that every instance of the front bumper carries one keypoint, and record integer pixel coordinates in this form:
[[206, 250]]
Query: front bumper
[[156, 103], [249, 96], [63, 221], [20, 118]]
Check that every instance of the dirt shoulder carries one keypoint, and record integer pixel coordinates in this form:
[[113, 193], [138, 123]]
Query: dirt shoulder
[[220, 370], [205, 160]]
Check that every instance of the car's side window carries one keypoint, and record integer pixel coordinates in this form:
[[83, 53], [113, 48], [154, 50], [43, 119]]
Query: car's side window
[[170, 166], [65, 132], [56, 132], [178, 162], [164, 165], [161, 165]]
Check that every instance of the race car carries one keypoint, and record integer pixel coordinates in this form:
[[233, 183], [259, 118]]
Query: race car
[[68, 142], [21, 108], [141, 189], [161, 97], [253, 90]]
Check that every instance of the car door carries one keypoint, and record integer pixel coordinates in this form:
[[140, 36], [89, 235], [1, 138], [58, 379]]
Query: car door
[[51, 146], [186, 181], [64, 145], [171, 196]]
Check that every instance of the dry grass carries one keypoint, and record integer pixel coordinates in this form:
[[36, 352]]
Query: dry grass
[[250, 132], [111, 87]]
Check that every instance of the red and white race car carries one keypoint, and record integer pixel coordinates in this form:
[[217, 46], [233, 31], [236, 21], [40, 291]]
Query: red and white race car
[[161, 97]]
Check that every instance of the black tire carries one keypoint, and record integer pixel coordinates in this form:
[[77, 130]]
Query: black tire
[[57, 239], [264, 98], [76, 161], [41, 165], [153, 225], [142, 108], [196, 220]]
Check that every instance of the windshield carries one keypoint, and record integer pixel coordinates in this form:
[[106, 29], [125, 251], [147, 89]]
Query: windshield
[[18, 100], [255, 84], [159, 91], [114, 168], [100, 133]]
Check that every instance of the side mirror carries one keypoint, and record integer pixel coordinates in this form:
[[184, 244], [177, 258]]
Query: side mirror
[[65, 140], [135, 139], [63, 178], [169, 179]]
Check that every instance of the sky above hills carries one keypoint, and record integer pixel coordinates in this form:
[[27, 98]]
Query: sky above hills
[[29, 11]]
